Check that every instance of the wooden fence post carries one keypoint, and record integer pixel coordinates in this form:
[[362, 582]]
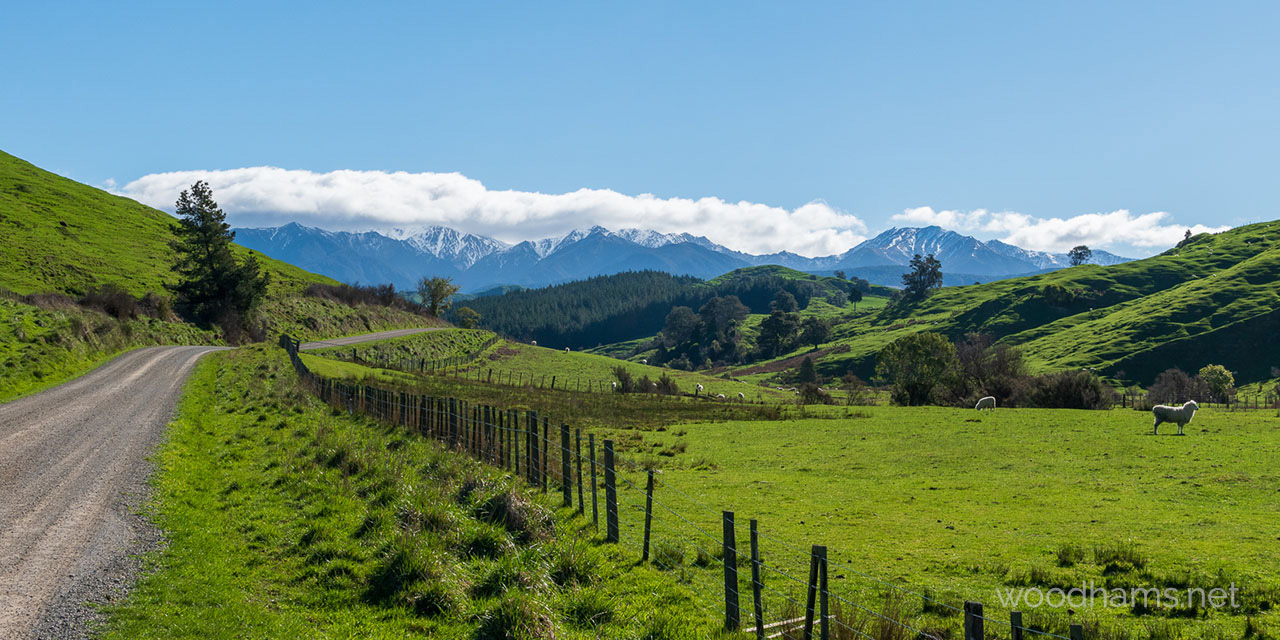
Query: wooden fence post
[[730, 573], [577, 454], [973, 627], [610, 495], [595, 503], [823, 592], [1077, 632], [648, 514], [1015, 622], [566, 472], [545, 444], [756, 585], [811, 593]]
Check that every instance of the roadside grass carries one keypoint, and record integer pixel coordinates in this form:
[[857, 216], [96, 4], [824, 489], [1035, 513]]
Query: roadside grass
[[962, 507], [42, 348], [285, 518]]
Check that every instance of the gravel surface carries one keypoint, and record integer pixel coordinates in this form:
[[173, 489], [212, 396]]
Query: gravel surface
[[73, 481], [368, 337]]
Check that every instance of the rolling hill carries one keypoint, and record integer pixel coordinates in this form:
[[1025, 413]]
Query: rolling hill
[[62, 238]]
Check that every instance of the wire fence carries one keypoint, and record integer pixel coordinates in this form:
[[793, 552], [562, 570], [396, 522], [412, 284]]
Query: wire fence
[[644, 515]]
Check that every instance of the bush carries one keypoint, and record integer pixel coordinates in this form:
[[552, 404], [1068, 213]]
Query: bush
[[811, 393], [625, 383], [112, 300], [1174, 386], [667, 385], [1072, 390], [382, 295]]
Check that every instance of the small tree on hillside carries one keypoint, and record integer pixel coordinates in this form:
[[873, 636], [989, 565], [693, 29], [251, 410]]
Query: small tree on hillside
[[924, 277], [784, 302], [777, 332], [807, 373], [815, 331], [212, 286], [915, 364], [468, 318], [1079, 255], [840, 274], [435, 293], [1219, 381], [855, 296]]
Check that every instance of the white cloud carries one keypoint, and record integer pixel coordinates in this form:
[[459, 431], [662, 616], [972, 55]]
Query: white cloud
[[1098, 230], [361, 200]]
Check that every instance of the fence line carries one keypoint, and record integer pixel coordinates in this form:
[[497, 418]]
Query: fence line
[[527, 445]]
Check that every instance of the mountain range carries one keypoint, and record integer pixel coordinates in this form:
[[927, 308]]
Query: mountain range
[[401, 256]]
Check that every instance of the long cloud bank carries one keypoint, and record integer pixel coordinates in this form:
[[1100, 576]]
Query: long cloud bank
[[361, 200], [1120, 227]]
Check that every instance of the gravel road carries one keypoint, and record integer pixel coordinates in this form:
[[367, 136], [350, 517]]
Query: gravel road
[[73, 477], [368, 337], [73, 481]]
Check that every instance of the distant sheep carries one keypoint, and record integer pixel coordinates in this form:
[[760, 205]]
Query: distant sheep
[[644, 361], [566, 349], [719, 396], [988, 402], [741, 397], [1181, 415], [533, 342], [697, 390], [615, 385]]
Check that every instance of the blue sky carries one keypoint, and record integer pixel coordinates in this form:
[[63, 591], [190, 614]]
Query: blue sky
[[879, 115]]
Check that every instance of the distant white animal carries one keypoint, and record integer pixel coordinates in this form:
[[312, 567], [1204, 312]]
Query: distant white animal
[[653, 385], [644, 361], [741, 397], [1181, 415], [988, 402], [615, 385], [697, 390], [533, 342], [566, 349]]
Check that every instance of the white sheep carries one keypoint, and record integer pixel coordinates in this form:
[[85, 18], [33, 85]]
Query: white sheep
[[988, 402], [1181, 415], [615, 385], [697, 390], [533, 342], [566, 349], [719, 396], [741, 397], [644, 361], [653, 385]]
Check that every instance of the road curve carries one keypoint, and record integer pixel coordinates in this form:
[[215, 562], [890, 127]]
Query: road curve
[[368, 337], [73, 473]]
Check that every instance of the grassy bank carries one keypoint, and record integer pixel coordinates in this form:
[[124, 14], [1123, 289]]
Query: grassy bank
[[286, 519]]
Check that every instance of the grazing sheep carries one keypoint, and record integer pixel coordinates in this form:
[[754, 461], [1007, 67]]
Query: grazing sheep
[[1181, 415], [644, 361], [719, 396], [653, 385], [741, 397], [988, 402], [697, 390], [533, 342], [566, 349], [615, 385]]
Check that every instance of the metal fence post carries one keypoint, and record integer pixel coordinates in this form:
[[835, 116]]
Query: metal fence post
[[595, 502], [756, 585], [730, 573], [648, 514], [610, 495]]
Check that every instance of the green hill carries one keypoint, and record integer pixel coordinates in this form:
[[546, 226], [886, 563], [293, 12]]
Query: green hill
[[1211, 299], [62, 239]]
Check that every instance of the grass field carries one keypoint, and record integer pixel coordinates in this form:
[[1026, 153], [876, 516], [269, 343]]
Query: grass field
[[961, 505], [287, 519]]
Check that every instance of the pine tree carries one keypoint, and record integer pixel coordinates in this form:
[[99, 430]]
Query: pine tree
[[212, 287]]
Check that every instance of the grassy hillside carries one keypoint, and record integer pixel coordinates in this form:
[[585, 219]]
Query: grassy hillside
[[1212, 299], [63, 237]]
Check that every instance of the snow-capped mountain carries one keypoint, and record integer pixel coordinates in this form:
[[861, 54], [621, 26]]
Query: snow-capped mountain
[[460, 249], [403, 256]]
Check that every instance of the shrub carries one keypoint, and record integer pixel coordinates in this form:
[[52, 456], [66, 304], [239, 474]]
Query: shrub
[[811, 393], [625, 383], [517, 514], [112, 300], [383, 295], [667, 385], [1072, 390], [517, 616], [1174, 386]]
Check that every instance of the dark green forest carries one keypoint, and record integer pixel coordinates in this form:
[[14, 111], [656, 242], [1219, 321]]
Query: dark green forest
[[635, 304]]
